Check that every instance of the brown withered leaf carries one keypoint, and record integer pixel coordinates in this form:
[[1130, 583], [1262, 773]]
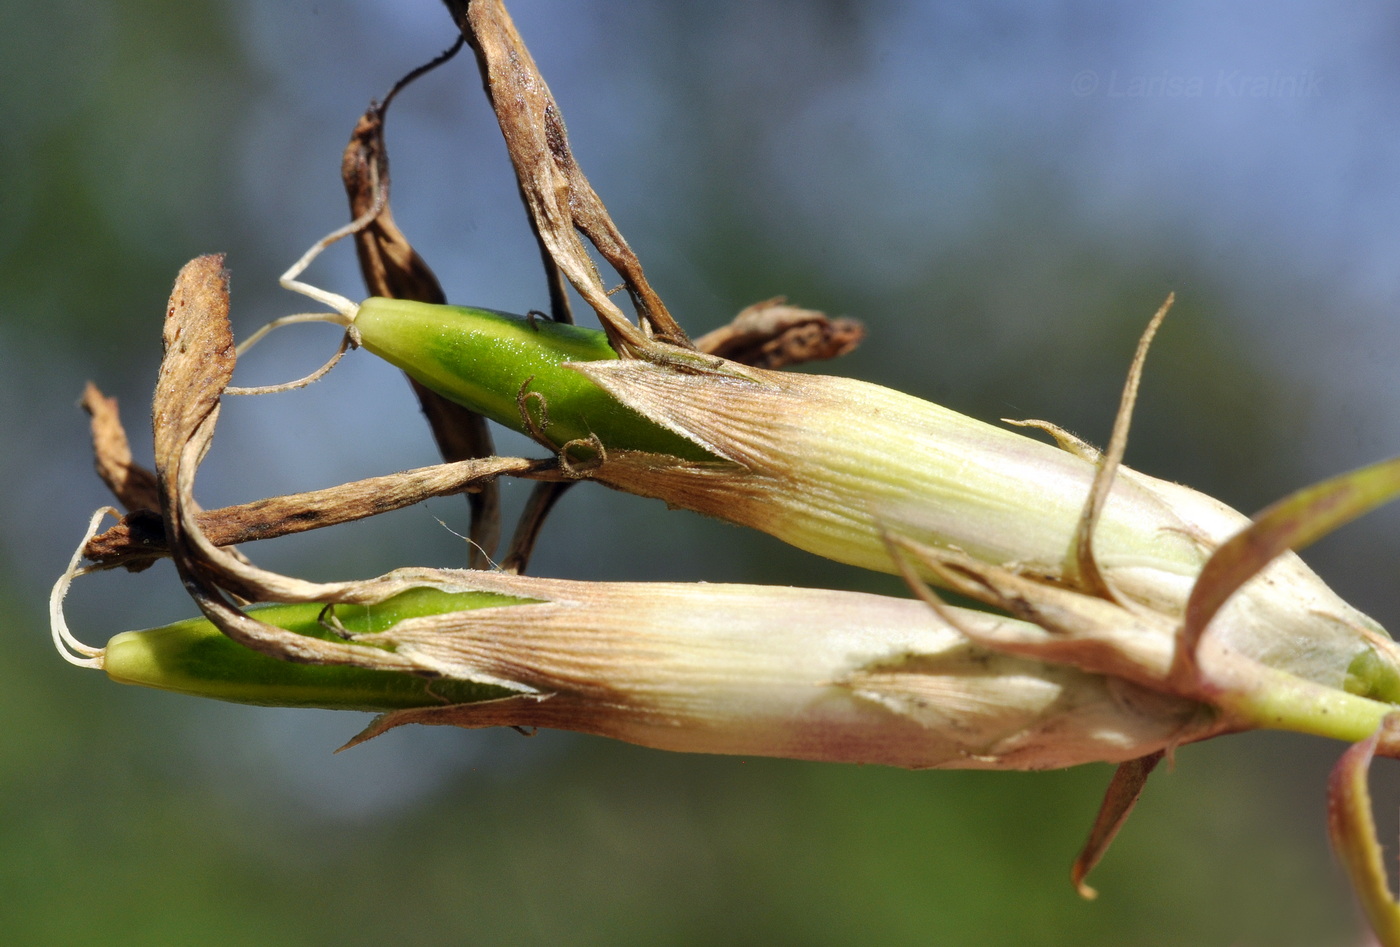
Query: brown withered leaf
[[198, 363], [1122, 795], [772, 334], [388, 262], [560, 201], [133, 485]]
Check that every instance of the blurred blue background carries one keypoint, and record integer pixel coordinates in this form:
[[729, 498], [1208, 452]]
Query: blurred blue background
[[1004, 192]]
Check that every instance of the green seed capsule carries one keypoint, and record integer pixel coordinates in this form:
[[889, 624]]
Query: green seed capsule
[[193, 657], [487, 360]]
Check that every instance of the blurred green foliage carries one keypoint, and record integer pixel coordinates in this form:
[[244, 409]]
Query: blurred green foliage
[[141, 133]]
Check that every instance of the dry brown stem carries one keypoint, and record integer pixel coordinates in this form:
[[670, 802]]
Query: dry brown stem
[[137, 539], [1085, 567], [560, 201]]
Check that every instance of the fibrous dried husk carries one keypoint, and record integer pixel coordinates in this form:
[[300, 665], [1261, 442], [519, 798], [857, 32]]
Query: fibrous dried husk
[[836, 466], [801, 673]]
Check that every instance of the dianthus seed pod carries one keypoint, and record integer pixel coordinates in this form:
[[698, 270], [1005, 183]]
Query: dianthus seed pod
[[838, 467], [801, 673]]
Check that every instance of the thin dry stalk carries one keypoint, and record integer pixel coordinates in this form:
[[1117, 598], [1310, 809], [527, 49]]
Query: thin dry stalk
[[560, 201], [391, 267]]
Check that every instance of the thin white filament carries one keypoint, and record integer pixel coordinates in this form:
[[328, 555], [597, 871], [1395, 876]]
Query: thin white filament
[[300, 382], [297, 319], [334, 300], [73, 650]]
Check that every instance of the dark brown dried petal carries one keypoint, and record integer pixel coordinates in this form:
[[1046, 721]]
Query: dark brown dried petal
[[772, 334], [133, 485]]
